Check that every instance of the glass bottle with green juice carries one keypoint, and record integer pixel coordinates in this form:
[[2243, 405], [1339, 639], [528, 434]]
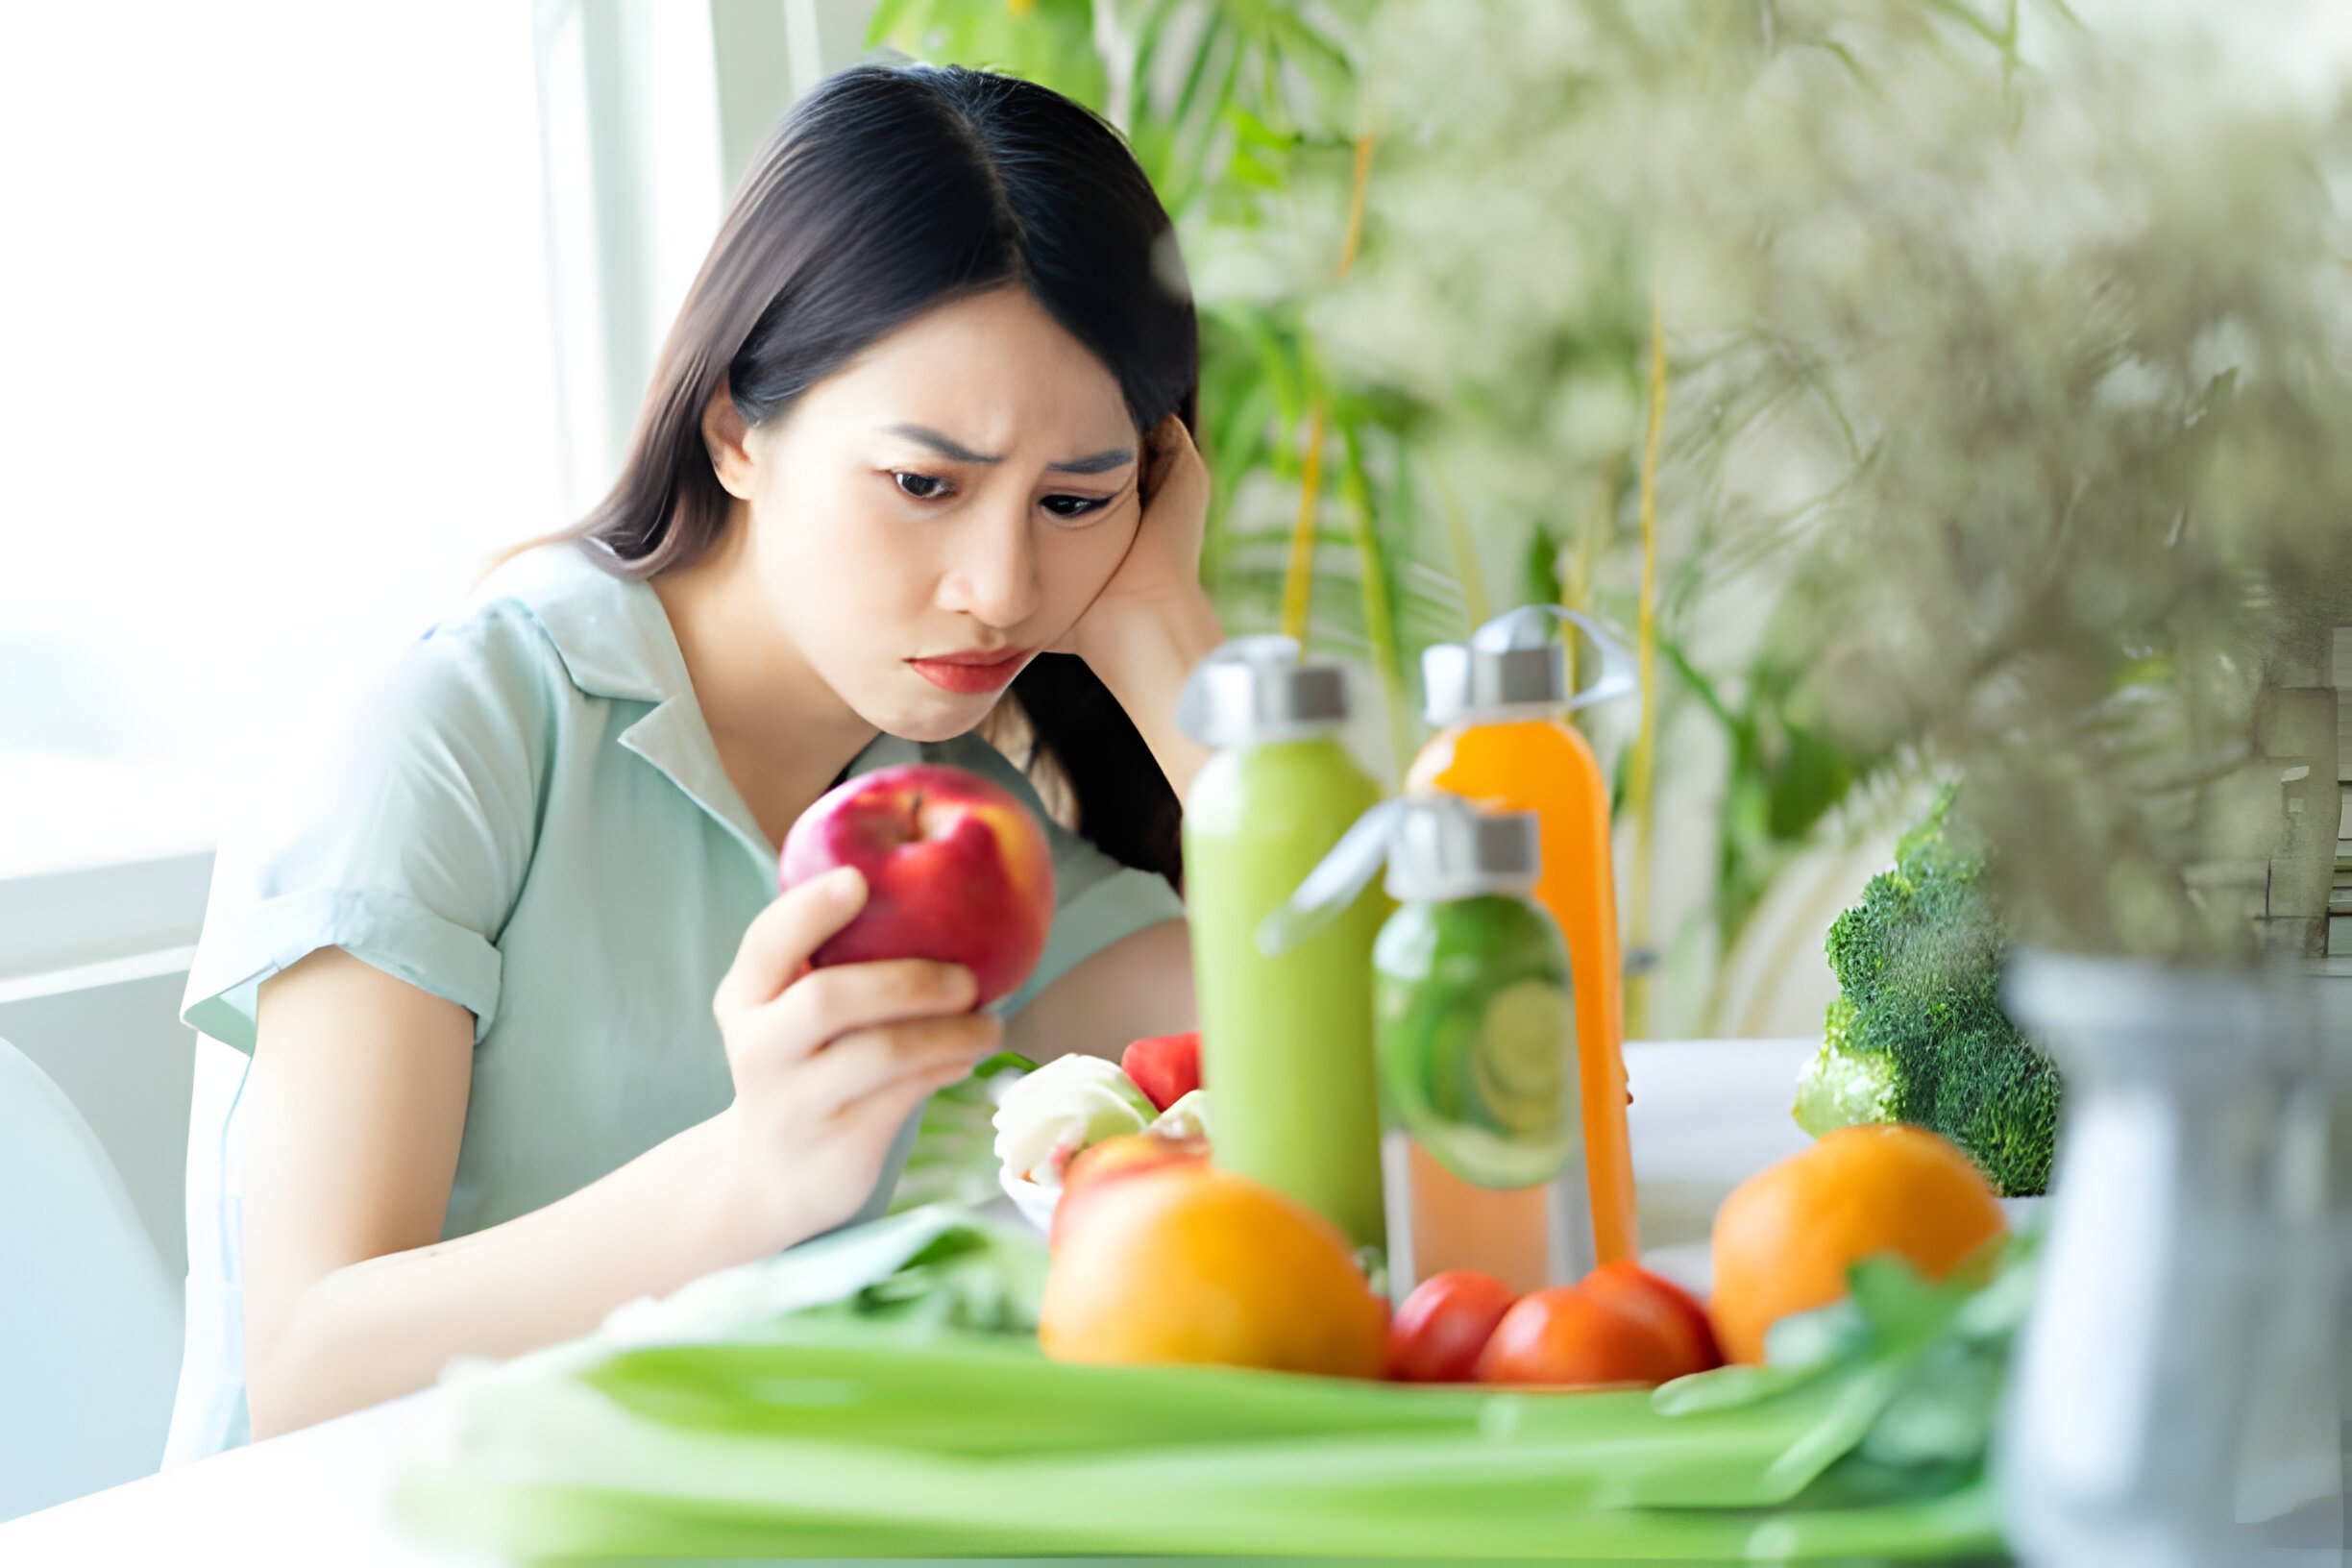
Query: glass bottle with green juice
[[1286, 1037], [1475, 1037]]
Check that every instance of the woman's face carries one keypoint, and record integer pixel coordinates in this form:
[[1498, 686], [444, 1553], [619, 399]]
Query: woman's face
[[930, 517]]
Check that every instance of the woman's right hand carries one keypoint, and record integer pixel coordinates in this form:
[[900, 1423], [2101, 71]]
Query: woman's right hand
[[828, 1064]]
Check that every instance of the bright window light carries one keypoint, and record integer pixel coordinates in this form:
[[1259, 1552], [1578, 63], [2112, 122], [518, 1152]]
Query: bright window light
[[275, 379]]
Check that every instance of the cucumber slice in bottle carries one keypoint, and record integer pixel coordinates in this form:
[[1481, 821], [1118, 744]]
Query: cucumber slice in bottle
[[1475, 1038], [1521, 1059]]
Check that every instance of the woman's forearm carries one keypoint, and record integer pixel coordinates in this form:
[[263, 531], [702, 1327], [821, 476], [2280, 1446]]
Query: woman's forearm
[[385, 1327], [1144, 660]]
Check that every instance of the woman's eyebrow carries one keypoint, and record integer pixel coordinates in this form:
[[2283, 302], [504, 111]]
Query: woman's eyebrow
[[1101, 462]]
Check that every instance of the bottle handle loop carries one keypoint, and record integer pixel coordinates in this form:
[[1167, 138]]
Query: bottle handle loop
[[1335, 882], [1531, 626]]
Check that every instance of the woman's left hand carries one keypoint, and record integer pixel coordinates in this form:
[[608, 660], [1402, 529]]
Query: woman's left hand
[[1152, 621], [1160, 573]]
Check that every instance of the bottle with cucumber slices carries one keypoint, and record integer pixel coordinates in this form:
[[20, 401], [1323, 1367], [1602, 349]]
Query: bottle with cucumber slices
[[1475, 1035]]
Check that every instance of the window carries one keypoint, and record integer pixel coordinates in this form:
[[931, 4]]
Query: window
[[274, 316]]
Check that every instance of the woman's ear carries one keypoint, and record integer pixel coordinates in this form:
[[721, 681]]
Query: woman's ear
[[726, 437]]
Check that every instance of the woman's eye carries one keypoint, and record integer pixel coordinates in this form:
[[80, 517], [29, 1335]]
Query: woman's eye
[[1067, 507], [921, 486]]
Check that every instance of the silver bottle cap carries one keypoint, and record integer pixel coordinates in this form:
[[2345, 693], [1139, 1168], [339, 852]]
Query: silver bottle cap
[[1257, 689], [1444, 848], [1460, 679], [1515, 662], [1435, 847]]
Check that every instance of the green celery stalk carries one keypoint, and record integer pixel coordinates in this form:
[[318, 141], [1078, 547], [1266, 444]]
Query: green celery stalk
[[1155, 1445], [871, 1419]]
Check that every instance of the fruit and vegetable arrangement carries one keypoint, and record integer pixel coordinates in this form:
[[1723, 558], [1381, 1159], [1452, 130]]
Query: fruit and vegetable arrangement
[[1240, 1330], [1058, 1125], [1159, 1257], [1051, 1118], [940, 1383]]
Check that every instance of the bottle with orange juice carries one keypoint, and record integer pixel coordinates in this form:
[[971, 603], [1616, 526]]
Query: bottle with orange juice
[[1500, 703]]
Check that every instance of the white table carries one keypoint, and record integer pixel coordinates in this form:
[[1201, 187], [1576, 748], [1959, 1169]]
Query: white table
[[1705, 1116]]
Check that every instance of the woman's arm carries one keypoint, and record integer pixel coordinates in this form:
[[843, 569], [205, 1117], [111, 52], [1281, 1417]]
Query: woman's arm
[[357, 1098], [1138, 985], [1143, 658]]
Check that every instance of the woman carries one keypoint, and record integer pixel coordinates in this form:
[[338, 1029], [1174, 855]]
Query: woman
[[531, 1035]]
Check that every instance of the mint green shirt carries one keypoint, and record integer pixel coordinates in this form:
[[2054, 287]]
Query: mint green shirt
[[531, 818]]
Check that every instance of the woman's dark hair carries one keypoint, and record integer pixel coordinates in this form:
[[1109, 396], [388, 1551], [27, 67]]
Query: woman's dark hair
[[887, 190]]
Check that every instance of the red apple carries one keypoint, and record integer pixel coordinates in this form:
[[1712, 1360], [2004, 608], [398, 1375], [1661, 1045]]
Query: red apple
[[956, 871]]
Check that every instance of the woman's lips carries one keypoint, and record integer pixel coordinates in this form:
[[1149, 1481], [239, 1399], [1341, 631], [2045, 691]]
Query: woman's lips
[[969, 672]]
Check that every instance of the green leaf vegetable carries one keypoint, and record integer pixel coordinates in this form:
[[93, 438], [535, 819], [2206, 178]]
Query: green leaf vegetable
[[901, 1407], [954, 1156], [1917, 1034]]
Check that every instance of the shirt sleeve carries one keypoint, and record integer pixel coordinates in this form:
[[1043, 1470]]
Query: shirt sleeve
[[1097, 901], [405, 843]]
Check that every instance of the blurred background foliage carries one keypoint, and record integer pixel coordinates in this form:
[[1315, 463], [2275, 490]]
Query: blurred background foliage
[[2005, 439], [1432, 242]]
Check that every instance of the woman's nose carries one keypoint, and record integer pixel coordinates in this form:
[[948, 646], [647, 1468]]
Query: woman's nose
[[993, 577]]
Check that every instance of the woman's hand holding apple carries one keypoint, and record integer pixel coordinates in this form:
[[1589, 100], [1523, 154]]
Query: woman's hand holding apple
[[828, 1063]]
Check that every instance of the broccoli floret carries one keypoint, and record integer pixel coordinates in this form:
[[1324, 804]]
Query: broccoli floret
[[1841, 1088], [1917, 1034]]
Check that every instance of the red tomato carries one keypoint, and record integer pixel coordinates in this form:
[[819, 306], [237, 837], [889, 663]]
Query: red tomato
[[1684, 1318], [1438, 1332], [1571, 1337]]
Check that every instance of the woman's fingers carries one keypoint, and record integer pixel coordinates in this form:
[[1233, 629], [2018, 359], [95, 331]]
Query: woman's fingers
[[871, 1060], [777, 945], [1179, 473], [832, 1002], [879, 1114]]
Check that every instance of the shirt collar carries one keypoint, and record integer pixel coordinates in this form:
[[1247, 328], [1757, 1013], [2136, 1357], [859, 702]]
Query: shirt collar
[[616, 641], [611, 631]]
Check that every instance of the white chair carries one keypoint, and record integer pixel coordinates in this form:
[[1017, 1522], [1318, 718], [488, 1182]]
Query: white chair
[[90, 1316]]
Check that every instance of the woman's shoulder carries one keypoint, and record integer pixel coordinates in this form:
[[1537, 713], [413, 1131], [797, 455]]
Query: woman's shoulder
[[601, 633], [468, 712], [517, 645], [502, 623], [403, 832]]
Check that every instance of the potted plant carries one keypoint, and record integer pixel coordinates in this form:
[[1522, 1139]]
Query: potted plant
[[2053, 493]]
